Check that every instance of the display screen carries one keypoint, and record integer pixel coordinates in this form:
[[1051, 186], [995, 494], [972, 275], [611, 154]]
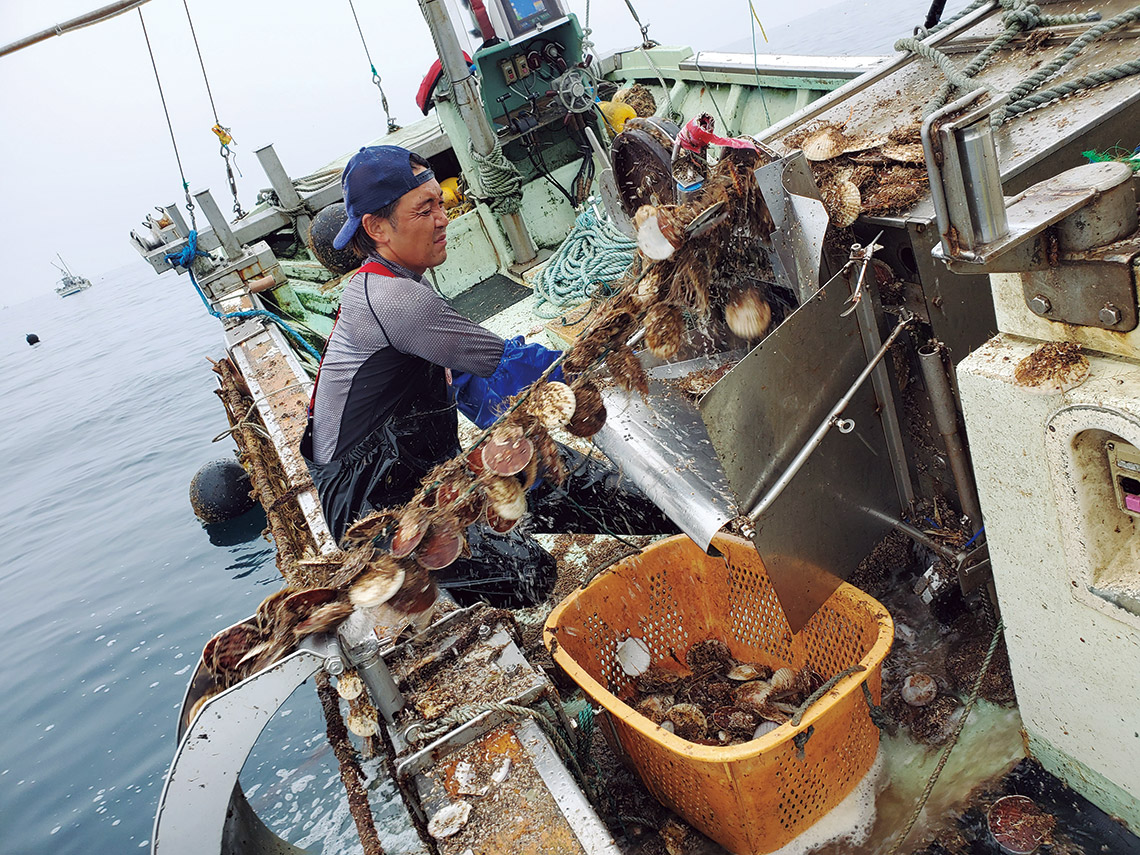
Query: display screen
[[523, 15]]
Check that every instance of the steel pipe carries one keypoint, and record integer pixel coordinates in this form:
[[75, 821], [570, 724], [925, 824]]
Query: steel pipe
[[945, 411]]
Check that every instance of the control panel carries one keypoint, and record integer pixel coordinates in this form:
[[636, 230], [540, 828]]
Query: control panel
[[1124, 466]]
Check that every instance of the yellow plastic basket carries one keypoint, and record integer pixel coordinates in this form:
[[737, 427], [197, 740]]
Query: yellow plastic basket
[[754, 797]]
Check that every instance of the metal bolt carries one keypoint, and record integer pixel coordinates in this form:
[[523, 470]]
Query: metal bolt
[[484, 631], [1040, 304], [334, 665], [1109, 315]]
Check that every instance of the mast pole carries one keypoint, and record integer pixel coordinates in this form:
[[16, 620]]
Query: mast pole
[[78, 23], [466, 93]]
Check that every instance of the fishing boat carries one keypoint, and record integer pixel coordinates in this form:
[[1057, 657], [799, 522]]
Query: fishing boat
[[70, 283], [883, 380]]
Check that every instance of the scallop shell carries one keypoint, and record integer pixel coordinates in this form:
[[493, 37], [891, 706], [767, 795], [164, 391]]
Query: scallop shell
[[499, 524], [590, 411], [475, 459], [225, 650], [378, 583], [708, 654], [654, 707], [688, 721], [627, 369], [906, 153], [690, 289], [824, 143], [323, 618], [266, 616], [582, 355], [744, 673], [553, 404], [655, 679], [549, 458], [919, 689], [764, 728], [664, 330], [413, 526], [418, 593], [634, 657], [441, 546], [507, 451], [362, 724], [752, 695], [783, 679], [366, 529], [506, 497], [449, 821], [349, 685], [652, 243], [748, 314], [300, 605], [844, 203]]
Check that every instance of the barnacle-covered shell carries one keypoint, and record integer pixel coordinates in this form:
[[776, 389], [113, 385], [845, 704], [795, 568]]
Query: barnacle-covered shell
[[553, 404], [656, 679], [349, 685], [225, 650], [449, 820], [664, 330], [708, 654], [783, 679], [919, 689], [752, 695], [365, 529], [266, 615], [844, 203], [747, 313], [690, 289], [378, 583], [906, 153], [738, 722], [323, 618], [354, 563], [582, 355], [506, 497], [654, 707], [549, 458], [627, 369], [507, 451], [650, 239], [589, 412], [362, 724], [688, 721], [301, 604]]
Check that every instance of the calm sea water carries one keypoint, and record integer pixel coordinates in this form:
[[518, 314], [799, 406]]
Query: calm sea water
[[110, 585]]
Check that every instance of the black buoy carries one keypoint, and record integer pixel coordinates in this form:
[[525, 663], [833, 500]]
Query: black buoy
[[220, 491], [33, 338], [324, 229]]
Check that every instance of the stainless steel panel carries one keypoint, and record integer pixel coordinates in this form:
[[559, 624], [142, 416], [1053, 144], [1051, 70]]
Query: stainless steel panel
[[660, 443], [761, 414]]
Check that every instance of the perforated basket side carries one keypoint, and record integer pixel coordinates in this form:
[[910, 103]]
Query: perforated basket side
[[756, 796]]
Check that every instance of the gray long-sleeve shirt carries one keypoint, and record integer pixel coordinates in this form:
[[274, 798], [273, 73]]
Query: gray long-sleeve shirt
[[385, 322]]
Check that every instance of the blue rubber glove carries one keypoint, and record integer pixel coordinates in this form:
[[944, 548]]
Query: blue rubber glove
[[483, 399]]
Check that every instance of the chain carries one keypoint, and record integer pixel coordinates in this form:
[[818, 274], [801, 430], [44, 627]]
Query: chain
[[393, 126]]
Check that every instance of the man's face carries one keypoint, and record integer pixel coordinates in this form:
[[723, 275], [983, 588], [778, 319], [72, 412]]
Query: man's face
[[416, 234]]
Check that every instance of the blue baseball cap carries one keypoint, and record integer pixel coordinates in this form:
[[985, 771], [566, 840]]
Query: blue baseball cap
[[375, 176]]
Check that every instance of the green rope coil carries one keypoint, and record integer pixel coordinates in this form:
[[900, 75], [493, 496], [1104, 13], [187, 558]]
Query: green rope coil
[[500, 179], [1019, 16], [594, 254]]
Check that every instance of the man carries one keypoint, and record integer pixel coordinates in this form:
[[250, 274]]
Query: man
[[382, 413]]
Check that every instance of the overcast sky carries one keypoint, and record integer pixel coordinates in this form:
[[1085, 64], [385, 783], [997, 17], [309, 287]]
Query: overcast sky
[[86, 153]]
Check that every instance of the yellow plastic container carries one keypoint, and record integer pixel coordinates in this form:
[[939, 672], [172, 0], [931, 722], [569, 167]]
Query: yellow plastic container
[[754, 797]]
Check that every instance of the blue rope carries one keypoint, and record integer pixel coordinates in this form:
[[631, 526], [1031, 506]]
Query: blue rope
[[185, 259]]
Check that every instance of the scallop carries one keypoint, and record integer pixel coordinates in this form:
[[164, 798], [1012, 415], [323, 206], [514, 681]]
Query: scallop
[[655, 679], [450, 820], [783, 679], [652, 243], [907, 153], [349, 685], [748, 314], [764, 728], [664, 330], [506, 497], [654, 707], [708, 654], [225, 650], [323, 618], [413, 526], [744, 673], [362, 724], [824, 143], [364, 530], [418, 593], [507, 451], [376, 585], [919, 689], [753, 695], [298, 606], [441, 546], [553, 404], [590, 410], [499, 524], [634, 657], [627, 369], [688, 721], [846, 203]]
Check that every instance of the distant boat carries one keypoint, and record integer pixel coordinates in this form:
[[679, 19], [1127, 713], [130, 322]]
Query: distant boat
[[70, 283]]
